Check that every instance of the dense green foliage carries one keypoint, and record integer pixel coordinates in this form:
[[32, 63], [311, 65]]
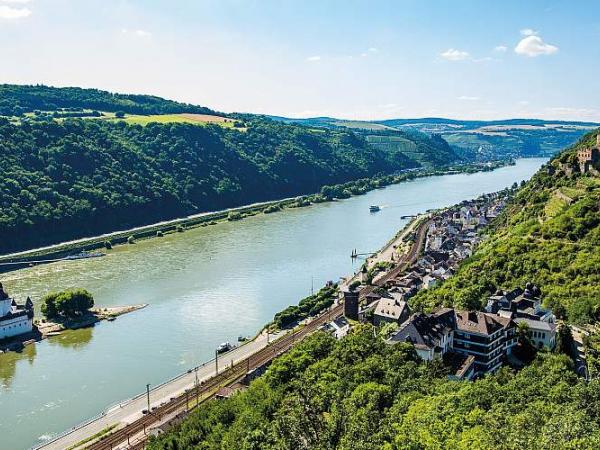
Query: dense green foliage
[[309, 306], [69, 303], [549, 235], [359, 393], [77, 177], [16, 100]]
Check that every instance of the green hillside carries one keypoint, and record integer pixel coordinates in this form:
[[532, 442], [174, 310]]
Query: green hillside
[[475, 139], [16, 100], [80, 177], [361, 394], [79, 162], [549, 235]]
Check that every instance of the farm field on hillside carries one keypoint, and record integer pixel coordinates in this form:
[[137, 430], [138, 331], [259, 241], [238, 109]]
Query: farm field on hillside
[[139, 119]]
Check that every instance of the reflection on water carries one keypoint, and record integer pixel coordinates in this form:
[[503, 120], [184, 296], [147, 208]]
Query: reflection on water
[[204, 286], [9, 362], [73, 339]]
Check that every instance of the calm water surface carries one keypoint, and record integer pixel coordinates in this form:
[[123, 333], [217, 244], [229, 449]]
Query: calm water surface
[[204, 286]]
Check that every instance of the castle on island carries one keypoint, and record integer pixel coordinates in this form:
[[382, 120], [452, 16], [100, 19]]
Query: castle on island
[[14, 319]]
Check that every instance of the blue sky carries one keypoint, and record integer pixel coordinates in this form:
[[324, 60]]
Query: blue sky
[[352, 59]]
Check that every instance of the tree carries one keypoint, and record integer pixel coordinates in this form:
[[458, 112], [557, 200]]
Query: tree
[[119, 114], [564, 340], [67, 304]]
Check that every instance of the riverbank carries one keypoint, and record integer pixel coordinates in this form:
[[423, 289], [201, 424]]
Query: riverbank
[[69, 249], [44, 329]]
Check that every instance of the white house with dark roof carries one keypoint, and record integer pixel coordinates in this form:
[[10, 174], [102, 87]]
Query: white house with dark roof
[[14, 319]]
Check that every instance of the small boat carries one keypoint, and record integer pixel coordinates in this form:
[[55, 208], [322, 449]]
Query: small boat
[[374, 208]]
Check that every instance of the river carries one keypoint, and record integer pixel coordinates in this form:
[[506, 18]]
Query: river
[[204, 286]]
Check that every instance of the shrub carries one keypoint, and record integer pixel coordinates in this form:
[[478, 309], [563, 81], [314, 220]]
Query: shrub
[[69, 303]]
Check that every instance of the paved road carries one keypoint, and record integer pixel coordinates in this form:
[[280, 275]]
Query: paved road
[[130, 410]]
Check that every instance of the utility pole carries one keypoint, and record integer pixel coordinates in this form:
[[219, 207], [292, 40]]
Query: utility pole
[[148, 396], [216, 362]]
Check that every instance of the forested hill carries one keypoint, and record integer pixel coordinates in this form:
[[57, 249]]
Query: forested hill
[[79, 162], [549, 235], [16, 100], [78, 177]]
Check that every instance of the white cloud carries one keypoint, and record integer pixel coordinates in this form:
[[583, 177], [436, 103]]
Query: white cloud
[[313, 58], [528, 32], [468, 98], [142, 34], [454, 55], [8, 12], [373, 50], [534, 46], [500, 48]]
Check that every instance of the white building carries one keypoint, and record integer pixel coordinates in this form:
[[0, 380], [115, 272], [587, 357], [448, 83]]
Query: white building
[[338, 327], [14, 319], [542, 334]]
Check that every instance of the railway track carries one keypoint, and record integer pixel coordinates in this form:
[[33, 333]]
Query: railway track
[[405, 261]]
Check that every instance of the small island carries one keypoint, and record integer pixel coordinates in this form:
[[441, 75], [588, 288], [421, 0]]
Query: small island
[[70, 309]]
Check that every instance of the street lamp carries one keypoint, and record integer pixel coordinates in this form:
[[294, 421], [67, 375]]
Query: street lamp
[[148, 396]]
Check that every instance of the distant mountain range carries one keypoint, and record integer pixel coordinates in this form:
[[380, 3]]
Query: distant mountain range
[[478, 139]]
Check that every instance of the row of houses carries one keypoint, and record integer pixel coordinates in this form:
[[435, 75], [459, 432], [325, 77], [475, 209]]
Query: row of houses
[[479, 342], [472, 343]]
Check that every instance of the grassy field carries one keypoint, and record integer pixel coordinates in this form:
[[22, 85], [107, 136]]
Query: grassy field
[[199, 119], [138, 119]]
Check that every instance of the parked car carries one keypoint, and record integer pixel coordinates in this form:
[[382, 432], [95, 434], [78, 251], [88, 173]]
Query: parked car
[[224, 347]]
